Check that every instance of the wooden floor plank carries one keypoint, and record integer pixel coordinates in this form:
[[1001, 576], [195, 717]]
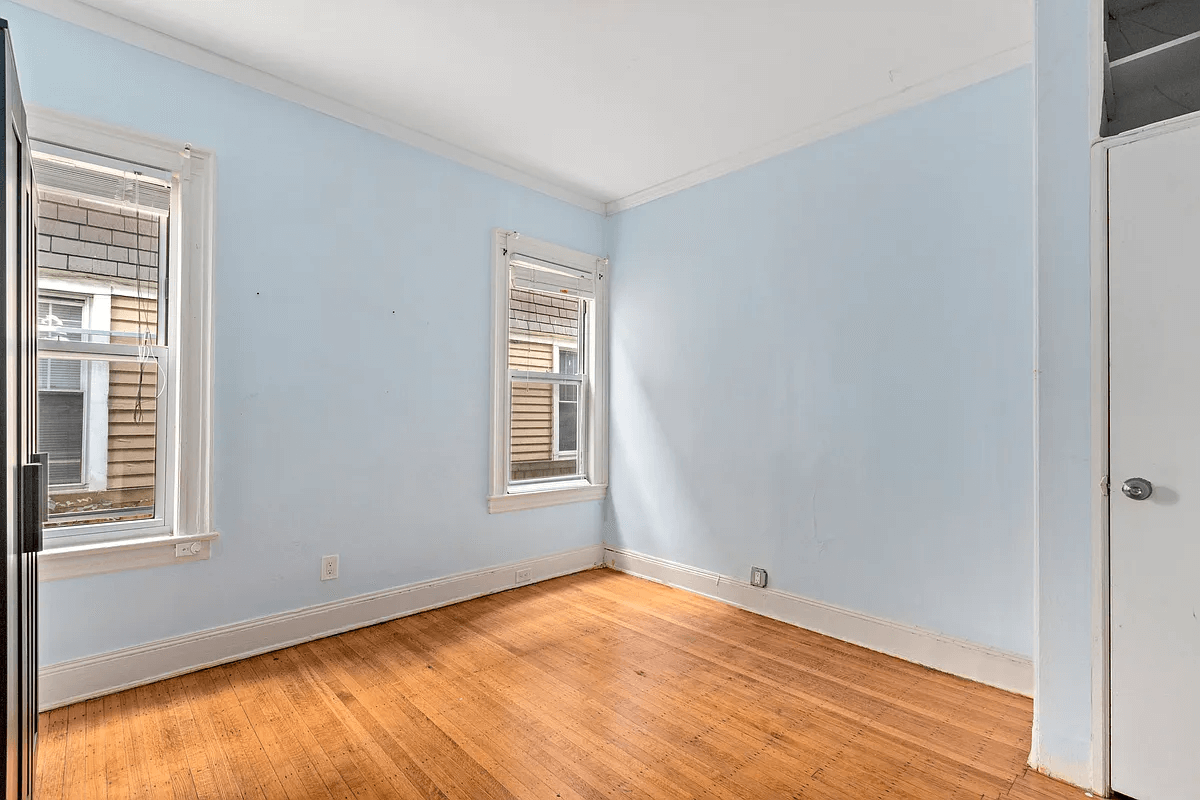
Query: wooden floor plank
[[116, 754], [588, 687], [52, 751], [96, 730], [136, 760]]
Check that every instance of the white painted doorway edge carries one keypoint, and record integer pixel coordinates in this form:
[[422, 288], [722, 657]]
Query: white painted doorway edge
[[1100, 766]]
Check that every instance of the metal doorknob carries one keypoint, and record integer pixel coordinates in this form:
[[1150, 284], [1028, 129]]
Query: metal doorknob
[[1137, 488]]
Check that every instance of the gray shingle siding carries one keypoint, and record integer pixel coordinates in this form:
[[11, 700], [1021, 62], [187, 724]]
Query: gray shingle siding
[[96, 238]]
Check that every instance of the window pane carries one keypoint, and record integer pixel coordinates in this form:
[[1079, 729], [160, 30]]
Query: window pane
[[60, 319], [101, 440], [532, 442], [99, 269], [60, 435], [568, 362], [536, 323], [60, 374], [568, 425]]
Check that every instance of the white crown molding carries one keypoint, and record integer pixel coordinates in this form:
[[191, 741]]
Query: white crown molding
[[948, 82], [92, 18], [968, 660], [93, 676]]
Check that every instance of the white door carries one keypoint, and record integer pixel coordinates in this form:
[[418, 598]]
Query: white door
[[1154, 347]]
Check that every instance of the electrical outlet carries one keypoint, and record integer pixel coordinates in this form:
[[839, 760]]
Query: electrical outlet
[[758, 577], [187, 549], [524, 575], [329, 566]]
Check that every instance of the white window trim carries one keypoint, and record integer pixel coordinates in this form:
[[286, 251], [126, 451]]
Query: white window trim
[[594, 394], [189, 517]]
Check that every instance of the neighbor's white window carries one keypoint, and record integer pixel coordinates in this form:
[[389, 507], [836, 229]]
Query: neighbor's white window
[[549, 375], [124, 346]]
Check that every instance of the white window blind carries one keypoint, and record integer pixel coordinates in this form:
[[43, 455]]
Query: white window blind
[[539, 275], [129, 186]]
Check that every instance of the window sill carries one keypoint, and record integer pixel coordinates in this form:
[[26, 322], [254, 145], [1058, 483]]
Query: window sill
[[539, 497], [56, 563]]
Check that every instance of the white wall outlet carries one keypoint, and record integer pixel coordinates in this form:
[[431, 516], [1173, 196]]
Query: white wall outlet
[[758, 577], [524, 575], [187, 549], [329, 565]]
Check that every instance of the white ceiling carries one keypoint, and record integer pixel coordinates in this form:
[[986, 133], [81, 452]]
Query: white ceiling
[[603, 98]]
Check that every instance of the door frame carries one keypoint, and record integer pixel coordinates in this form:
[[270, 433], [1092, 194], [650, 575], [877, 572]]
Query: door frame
[[1100, 451]]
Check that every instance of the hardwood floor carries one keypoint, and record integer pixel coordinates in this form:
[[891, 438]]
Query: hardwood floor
[[597, 685]]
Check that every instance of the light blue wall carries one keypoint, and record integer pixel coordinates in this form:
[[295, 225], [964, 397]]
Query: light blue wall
[[1067, 497], [352, 331], [823, 365]]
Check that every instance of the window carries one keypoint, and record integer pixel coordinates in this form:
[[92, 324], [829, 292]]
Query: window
[[566, 406], [61, 391], [103, 269], [549, 442], [124, 346]]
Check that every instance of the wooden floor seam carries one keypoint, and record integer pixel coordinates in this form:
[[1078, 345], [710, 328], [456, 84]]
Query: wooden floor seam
[[588, 687]]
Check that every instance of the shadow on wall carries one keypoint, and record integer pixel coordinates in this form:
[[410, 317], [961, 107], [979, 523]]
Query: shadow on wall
[[656, 482]]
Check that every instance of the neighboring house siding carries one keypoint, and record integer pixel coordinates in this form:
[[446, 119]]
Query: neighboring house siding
[[83, 236], [532, 417], [542, 314], [130, 442], [536, 323], [76, 238], [532, 404]]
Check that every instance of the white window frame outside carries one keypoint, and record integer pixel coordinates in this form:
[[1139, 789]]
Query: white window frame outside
[[186, 532], [593, 390], [556, 454], [85, 382]]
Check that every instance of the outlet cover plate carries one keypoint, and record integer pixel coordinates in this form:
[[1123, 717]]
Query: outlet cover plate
[[758, 577], [329, 568], [524, 575]]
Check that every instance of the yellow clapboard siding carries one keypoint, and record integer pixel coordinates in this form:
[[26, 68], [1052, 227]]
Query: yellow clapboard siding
[[532, 404], [131, 455], [123, 313], [127, 317], [129, 403], [123, 304], [127, 371], [125, 442], [132, 392], [130, 482], [128, 469], [533, 356], [148, 377], [126, 428], [131, 444]]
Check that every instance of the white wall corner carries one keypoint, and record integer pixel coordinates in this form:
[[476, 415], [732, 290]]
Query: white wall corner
[[93, 676], [1003, 670], [986, 68]]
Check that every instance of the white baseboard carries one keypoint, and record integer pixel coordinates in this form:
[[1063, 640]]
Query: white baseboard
[[85, 678], [975, 662]]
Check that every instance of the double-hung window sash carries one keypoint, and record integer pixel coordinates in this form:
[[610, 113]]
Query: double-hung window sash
[[113, 473], [535, 273]]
